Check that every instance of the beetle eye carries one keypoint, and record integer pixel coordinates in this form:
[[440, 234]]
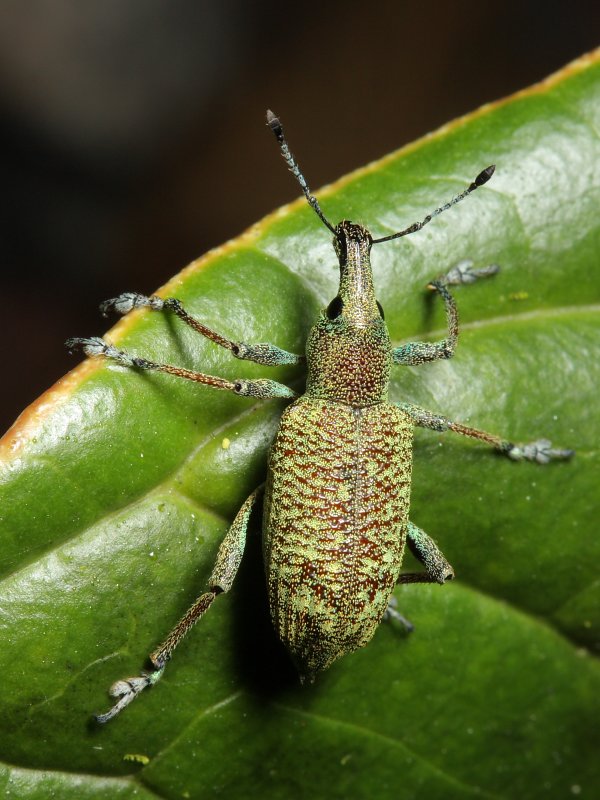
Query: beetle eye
[[382, 315], [334, 309]]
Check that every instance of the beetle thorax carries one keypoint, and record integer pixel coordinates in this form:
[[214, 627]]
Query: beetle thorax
[[349, 350]]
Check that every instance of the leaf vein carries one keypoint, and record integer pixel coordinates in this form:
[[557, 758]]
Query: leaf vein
[[367, 732]]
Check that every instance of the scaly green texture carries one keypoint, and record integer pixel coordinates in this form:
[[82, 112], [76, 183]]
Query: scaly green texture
[[338, 482], [117, 489], [336, 512]]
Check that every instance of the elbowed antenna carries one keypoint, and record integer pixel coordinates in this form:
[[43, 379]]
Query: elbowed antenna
[[275, 125], [482, 178]]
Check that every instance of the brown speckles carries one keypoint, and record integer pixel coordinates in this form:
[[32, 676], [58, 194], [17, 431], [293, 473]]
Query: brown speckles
[[334, 543], [349, 364]]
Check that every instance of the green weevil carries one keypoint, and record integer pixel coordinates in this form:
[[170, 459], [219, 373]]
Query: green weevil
[[336, 497]]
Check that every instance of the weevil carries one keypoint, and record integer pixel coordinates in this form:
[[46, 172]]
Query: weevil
[[336, 498]]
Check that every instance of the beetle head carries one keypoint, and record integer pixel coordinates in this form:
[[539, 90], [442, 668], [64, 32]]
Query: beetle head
[[355, 300]]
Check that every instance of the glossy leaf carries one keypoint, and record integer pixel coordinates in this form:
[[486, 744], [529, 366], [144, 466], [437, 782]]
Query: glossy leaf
[[117, 488]]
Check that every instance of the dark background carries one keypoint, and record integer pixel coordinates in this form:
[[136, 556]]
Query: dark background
[[133, 133]]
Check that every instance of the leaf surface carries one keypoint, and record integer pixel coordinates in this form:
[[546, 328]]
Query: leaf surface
[[117, 487]]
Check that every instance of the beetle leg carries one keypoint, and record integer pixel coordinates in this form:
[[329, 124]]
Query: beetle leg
[[414, 353], [464, 273], [437, 569], [392, 612], [264, 353], [540, 451], [259, 387], [223, 574], [422, 546]]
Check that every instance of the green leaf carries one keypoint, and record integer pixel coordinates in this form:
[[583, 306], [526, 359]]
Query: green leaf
[[117, 488]]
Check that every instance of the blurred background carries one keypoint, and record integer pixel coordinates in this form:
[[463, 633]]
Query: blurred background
[[133, 134]]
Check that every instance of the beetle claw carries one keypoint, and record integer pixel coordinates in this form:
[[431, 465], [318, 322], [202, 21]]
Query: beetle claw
[[127, 690], [540, 451], [464, 273]]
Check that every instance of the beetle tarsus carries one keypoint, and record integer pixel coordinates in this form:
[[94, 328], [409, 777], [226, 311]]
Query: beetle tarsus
[[127, 690], [127, 301], [465, 273], [96, 347], [392, 613], [540, 451]]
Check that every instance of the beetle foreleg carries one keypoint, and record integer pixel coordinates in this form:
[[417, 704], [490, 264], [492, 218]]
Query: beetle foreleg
[[223, 574], [540, 451], [464, 273], [264, 353], [414, 353]]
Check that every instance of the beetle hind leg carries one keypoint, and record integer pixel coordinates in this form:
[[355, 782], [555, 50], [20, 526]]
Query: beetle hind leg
[[422, 546], [437, 570], [392, 614], [221, 580]]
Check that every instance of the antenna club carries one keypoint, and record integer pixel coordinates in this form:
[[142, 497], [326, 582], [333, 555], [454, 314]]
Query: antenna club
[[485, 175], [275, 125], [482, 178]]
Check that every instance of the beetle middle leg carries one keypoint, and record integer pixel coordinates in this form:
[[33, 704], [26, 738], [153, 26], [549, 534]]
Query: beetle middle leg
[[540, 451], [437, 569], [224, 571], [261, 387]]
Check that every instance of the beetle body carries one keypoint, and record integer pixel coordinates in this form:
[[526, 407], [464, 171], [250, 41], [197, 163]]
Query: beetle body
[[336, 499], [338, 485], [335, 518]]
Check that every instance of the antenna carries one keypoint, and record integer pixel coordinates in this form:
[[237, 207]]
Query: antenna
[[482, 178], [275, 125]]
